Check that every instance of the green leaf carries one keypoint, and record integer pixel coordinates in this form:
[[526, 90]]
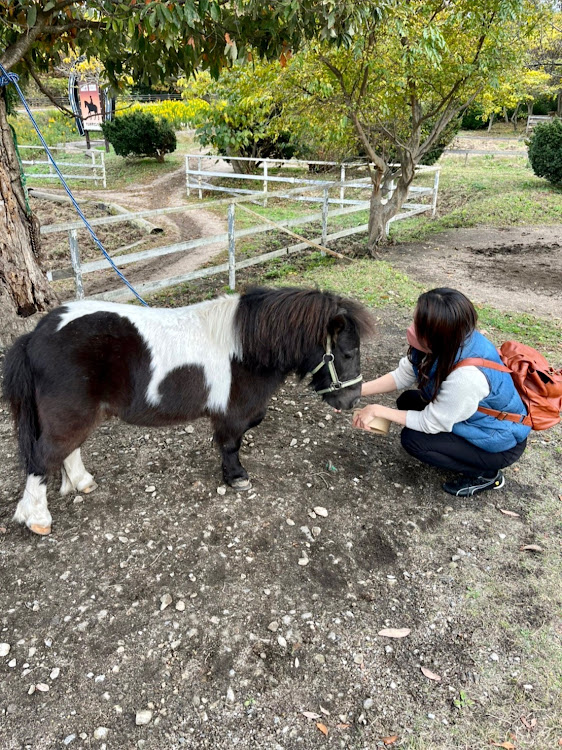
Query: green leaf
[[31, 15]]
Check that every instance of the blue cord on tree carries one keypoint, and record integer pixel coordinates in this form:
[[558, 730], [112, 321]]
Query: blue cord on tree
[[7, 78]]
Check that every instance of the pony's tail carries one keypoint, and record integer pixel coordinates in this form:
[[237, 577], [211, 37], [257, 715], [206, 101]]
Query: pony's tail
[[19, 391]]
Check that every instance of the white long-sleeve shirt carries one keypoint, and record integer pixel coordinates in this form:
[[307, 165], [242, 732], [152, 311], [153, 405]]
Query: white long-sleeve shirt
[[457, 400]]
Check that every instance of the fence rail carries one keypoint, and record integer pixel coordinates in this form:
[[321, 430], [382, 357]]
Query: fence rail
[[95, 162], [533, 120], [194, 181], [228, 239]]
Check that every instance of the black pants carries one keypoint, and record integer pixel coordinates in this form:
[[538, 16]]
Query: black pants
[[448, 451]]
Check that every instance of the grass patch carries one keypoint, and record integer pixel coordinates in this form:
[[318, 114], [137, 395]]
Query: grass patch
[[377, 284], [486, 191]]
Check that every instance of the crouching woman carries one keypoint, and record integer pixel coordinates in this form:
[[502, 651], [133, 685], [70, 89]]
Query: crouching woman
[[442, 424]]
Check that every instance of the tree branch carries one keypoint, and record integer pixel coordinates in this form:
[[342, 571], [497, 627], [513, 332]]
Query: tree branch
[[46, 92]]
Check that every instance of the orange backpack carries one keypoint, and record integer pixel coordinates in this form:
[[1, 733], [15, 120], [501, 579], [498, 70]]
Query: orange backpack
[[538, 384]]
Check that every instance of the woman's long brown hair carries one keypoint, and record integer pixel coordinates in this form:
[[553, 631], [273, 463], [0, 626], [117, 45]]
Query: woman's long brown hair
[[444, 318]]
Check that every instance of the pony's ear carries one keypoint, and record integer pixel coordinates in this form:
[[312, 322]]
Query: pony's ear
[[337, 323]]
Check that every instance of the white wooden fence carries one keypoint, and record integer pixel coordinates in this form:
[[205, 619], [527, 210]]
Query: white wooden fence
[[194, 181], [229, 238], [533, 120], [93, 162]]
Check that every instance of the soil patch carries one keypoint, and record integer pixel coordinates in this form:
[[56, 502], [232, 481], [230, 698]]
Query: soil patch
[[252, 639], [166, 191], [514, 269]]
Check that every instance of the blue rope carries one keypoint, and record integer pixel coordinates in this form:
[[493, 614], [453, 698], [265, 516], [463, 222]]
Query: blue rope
[[7, 78]]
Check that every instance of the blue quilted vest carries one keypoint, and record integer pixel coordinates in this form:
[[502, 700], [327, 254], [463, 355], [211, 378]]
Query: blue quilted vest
[[482, 430]]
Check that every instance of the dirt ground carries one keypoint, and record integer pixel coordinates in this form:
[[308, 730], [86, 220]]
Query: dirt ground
[[163, 593], [166, 191], [512, 269], [251, 638]]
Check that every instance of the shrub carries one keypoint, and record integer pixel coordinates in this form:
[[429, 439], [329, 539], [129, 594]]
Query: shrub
[[473, 118], [545, 151], [140, 134]]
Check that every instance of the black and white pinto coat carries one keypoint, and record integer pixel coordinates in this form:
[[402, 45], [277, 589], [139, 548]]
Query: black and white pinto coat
[[90, 360]]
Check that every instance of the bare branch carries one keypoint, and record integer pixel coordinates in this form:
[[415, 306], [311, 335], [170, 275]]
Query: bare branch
[[46, 91]]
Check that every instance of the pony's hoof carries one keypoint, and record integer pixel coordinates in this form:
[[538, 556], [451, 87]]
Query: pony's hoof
[[241, 485], [89, 488], [41, 530]]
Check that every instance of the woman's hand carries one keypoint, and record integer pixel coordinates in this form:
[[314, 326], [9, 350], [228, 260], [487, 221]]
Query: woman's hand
[[362, 418]]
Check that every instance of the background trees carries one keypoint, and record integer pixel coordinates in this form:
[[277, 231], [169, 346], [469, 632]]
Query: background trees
[[388, 76]]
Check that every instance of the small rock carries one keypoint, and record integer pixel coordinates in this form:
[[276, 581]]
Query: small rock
[[388, 649], [230, 695], [70, 738], [12, 663], [31, 690], [494, 657], [165, 601], [273, 626], [221, 490], [368, 703], [527, 687], [293, 442], [143, 717], [54, 673], [4, 649], [431, 716], [358, 658], [282, 642], [320, 658], [320, 511], [190, 429], [180, 606], [100, 733], [42, 687], [150, 488], [316, 531], [304, 561], [289, 522]]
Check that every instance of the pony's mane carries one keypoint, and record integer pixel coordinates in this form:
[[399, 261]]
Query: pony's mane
[[279, 327]]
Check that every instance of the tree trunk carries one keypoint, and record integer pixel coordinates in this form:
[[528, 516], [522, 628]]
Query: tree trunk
[[492, 116], [24, 289], [380, 213], [559, 104], [514, 117]]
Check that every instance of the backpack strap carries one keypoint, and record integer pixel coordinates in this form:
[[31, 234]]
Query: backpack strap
[[501, 415], [480, 362]]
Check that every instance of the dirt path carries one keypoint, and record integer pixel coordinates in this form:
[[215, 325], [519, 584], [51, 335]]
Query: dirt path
[[165, 191]]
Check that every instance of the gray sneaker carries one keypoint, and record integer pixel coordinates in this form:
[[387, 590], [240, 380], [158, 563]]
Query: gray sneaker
[[466, 486]]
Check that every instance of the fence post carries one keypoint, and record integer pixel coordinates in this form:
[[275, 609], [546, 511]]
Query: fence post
[[325, 206], [102, 158], [265, 181], [75, 260], [435, 188], [92, 156], [187, 176], [342, 188], [231, 248], [199, 178]]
